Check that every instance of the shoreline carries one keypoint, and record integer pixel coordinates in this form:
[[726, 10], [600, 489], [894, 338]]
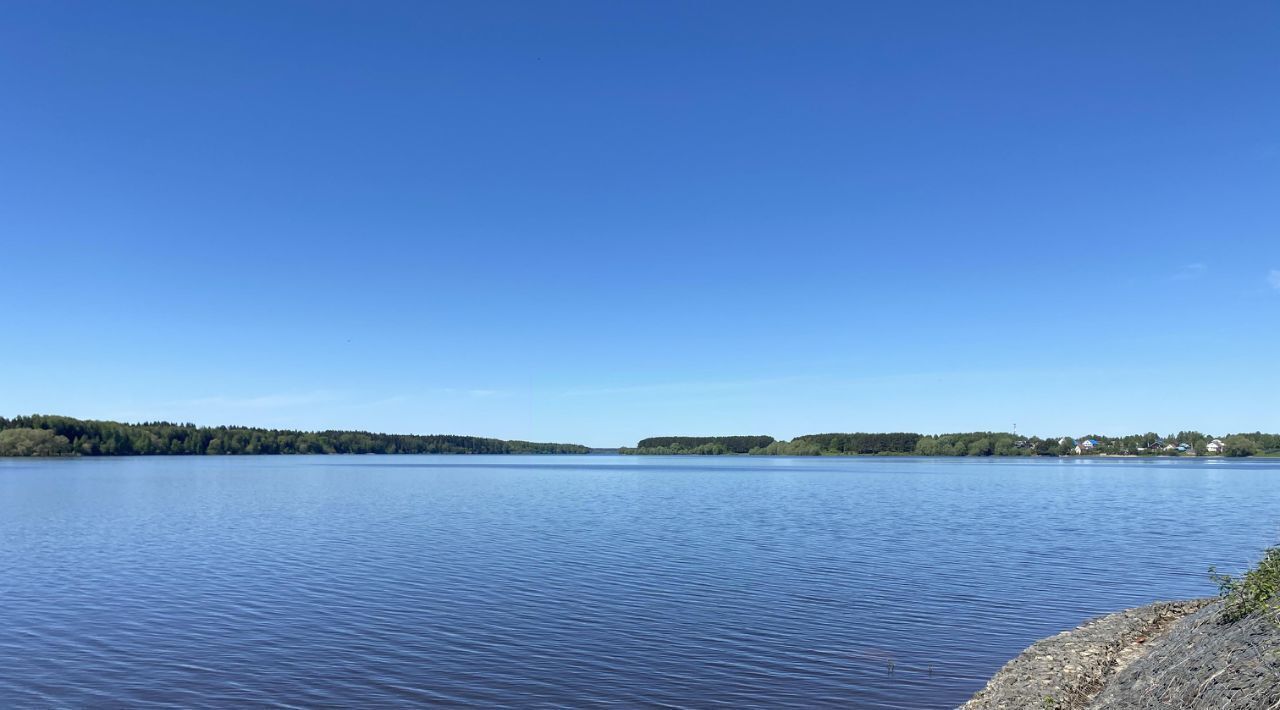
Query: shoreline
[[1174, 654], [897, 455]]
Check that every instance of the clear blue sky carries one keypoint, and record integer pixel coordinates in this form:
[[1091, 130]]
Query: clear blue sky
[[599, 221]]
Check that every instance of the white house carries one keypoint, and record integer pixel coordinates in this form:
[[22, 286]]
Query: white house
[[1086, 445], [1214, 447]]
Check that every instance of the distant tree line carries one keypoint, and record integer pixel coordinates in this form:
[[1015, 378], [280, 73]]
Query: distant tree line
[[698, 445], [860, 443], [982, 443], [45, 435]]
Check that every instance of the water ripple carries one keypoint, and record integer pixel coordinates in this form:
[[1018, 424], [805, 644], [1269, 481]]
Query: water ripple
[[598, 581]]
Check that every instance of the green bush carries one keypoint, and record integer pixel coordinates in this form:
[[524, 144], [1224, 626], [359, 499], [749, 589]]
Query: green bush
[[1255, 591], [1240, 446], [33, 442], [796, 447]]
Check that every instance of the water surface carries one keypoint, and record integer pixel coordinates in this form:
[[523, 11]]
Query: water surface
[[585, 581]]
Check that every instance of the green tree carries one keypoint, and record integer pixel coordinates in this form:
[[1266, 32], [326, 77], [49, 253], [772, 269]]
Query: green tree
[[1239, 446], [980, 447], [928, 446], [33, 442], [1004, 446]]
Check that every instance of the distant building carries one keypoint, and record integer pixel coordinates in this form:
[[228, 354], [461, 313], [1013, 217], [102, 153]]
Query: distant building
[[1214, 447], [1086, 446]]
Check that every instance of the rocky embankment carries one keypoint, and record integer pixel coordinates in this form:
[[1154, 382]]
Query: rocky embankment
[[1166, 655]]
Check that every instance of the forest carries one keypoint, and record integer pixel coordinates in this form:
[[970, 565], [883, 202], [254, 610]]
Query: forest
[[982, 443], [698, 445], [47, 435]]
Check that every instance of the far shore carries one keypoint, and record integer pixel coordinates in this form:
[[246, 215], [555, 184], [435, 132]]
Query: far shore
[[53, 435]]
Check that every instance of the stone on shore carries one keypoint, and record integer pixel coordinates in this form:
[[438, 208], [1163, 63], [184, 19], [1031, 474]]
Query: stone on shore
[[1161, 656]]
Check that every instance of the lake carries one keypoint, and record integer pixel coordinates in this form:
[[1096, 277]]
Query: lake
[[546, 581]]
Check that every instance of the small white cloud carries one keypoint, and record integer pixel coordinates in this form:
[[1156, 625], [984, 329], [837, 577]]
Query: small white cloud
[[477, 392], [679, 388], [270, 401], [384, 402], [1273, 278], [1190, 271]]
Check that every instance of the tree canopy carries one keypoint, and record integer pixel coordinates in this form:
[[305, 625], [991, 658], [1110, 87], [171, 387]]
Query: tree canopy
[[699, 444], [33, 442], [46, 435], [981, 443]]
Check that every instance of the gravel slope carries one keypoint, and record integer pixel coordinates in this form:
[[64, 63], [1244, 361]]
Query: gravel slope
[[1201, 663], [1164, 655]]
